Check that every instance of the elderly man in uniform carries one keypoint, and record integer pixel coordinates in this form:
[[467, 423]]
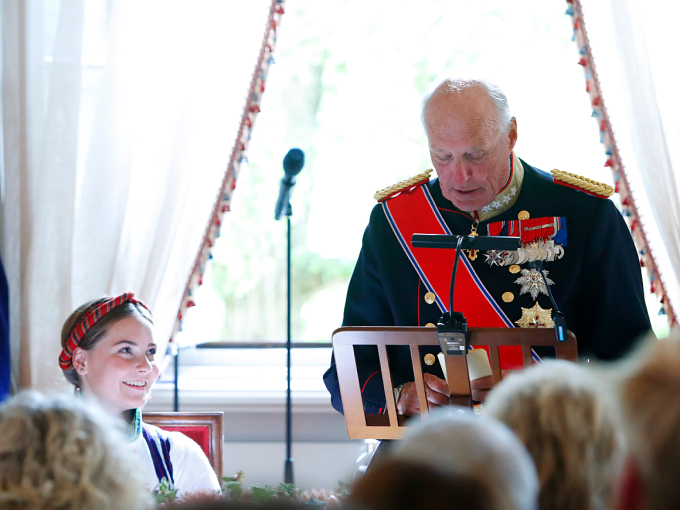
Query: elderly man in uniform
[[590, 261]]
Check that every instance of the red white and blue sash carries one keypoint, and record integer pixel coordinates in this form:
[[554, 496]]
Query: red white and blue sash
[[414, 212]]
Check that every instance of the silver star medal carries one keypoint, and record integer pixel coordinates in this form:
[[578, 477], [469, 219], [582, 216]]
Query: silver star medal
[[494, 257], [532, 282]]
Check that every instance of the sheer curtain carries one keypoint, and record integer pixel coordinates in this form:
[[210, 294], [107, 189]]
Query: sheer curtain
[[118, 122], [647, 41], [633, 46]]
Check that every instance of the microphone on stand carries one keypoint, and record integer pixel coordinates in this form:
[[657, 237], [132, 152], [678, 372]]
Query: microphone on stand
[[292, 164], [452, 326]]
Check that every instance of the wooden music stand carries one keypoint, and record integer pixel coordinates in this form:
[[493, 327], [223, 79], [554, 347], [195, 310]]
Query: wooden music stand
[[390, 426]]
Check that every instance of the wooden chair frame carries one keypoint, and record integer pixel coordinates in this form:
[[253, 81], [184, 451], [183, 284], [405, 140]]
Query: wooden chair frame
[[390, 425], [214, 422]]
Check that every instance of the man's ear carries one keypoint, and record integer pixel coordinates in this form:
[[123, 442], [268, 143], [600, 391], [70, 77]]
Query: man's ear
[[512, 134], [79, 359], [631, 487]]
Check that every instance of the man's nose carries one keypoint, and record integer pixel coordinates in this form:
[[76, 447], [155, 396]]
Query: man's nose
[[459, 173]]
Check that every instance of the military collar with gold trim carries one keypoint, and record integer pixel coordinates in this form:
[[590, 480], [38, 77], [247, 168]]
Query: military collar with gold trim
[[508, 195]]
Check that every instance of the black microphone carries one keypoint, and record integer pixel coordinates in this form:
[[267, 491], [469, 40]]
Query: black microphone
[[452, 326], [292, 164], [500, 243]]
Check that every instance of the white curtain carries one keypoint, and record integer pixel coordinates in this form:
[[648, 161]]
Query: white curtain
[[118, 121], [634, 47], [647, 42]]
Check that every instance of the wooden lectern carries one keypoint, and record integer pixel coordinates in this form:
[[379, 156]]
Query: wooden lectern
[[390, 425]]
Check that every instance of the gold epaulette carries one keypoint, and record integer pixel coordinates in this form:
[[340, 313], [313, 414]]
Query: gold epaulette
[[402, 185], [593, 187]]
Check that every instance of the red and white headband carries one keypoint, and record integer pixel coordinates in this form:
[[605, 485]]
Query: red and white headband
[[90, 319]]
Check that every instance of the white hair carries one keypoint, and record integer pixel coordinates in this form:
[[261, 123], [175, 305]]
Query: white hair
[[455, 441], [496, 95]]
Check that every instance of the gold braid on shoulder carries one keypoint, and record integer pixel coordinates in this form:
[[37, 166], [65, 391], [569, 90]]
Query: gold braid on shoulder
[[402, 185], [594, 187]]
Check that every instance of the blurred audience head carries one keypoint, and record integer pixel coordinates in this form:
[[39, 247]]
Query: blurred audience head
[[60, 453], [402, 485], [650, 400], [559, 411], [455, 441]]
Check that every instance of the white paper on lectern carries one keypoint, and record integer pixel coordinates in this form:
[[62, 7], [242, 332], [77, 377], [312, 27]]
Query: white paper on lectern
[[478, 364]]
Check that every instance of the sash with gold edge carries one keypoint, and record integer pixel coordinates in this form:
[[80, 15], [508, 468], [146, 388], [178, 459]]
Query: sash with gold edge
[[414, 212]]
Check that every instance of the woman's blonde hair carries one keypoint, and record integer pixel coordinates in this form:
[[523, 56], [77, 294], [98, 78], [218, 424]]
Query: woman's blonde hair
[[650, 399], [570, 430], [60, 453]]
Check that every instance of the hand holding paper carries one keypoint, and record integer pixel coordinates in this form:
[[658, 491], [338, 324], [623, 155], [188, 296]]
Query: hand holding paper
[[479, 370]]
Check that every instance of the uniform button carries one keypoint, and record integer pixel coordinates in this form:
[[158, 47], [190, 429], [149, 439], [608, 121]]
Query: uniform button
[[430, 325], [514, 268], [508, 297], [429, 359], [524, 215], [429, 298]]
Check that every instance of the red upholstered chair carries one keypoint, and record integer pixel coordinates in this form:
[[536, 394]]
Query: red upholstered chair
[[204, 428]]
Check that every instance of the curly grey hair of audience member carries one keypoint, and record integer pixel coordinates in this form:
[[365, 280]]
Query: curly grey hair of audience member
[[61, 453], [560, 411], [650, 401], [457, 85], [454, 440]]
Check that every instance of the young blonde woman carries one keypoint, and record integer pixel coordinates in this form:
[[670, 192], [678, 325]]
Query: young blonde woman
[[108, 353]]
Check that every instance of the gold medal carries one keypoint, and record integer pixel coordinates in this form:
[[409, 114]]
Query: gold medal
[[472, 254], [536, 317]]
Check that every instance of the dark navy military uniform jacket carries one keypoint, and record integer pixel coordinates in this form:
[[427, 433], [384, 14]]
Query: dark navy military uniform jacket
[[597, 283]]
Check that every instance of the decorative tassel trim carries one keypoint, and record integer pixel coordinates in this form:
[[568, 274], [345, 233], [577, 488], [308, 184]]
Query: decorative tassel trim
[[238, 155], [613, 160]]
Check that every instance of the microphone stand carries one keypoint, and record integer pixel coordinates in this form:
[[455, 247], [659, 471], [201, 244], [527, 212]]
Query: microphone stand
[[292, 164], [288, 468], [452, 326]]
